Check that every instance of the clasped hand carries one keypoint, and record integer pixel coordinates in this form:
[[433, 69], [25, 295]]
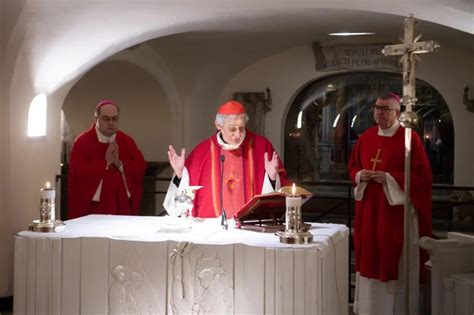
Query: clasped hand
[[377, 176], [112, 155]]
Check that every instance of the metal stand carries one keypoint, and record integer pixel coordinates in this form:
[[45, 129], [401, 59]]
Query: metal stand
[[47, 222]]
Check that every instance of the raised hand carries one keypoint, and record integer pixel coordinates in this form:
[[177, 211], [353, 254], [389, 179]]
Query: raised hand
[[271, 166], [176, 161]]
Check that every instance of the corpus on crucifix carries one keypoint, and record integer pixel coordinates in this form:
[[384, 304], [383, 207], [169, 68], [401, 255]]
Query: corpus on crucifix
[[409, 50]]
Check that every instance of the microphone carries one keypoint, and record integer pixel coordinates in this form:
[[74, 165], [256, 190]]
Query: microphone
[[223, 213]]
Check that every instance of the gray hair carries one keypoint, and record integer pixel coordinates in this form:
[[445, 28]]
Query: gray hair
[[392, 97], [220, 118]]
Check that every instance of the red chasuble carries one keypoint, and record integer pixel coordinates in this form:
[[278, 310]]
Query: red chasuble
[[378, 234], [244, 171], [88, 167]]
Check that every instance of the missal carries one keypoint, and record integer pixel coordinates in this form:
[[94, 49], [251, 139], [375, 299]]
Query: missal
[[266, 213]]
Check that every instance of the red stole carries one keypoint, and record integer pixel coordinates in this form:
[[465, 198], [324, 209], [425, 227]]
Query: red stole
[[233, 183], [204, 167]]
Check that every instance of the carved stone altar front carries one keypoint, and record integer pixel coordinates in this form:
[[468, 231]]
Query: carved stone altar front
[[128, 265]]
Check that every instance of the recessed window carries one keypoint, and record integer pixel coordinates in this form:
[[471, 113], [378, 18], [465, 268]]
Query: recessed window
[[299, 122], [37, 116]]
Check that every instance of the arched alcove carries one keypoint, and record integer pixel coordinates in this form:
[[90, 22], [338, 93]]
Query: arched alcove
[[144, 110], [327, 116], [145, 115]]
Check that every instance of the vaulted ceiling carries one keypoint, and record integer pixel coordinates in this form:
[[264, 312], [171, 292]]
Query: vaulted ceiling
[[63, 39]]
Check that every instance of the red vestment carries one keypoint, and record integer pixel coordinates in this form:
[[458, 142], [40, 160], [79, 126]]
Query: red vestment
[[378, 234], [204, 167], [87, 167]]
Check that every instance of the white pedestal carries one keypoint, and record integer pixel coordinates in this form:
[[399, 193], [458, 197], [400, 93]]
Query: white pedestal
[[449, 258], [458, 294]]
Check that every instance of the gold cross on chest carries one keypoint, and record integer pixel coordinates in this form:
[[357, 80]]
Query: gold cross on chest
[[232, 181], [376, 160]]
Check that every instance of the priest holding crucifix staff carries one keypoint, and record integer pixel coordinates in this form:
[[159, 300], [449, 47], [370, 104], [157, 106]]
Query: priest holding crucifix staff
[[376, 167]]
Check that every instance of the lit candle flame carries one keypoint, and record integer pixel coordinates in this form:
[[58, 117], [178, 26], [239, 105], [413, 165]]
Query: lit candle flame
[[48, 185], [293, 189]]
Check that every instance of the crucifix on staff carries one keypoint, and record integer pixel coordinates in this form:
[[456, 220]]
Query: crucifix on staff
[[409, 119], [390, 217]]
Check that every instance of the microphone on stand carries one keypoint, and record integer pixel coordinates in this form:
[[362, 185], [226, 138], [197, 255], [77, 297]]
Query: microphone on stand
[[223, 213]]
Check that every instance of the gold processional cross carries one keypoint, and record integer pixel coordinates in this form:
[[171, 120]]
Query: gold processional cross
[[376, 160], [408, 119]]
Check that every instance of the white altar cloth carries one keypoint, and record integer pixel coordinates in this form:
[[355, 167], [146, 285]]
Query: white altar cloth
[[121, 264]]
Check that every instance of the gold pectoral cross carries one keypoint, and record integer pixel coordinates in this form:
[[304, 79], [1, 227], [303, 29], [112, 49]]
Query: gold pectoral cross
[[376, 160], [232, 181]]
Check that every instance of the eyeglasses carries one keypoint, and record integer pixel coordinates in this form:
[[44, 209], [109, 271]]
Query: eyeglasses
[[383, 108], [108, 118]]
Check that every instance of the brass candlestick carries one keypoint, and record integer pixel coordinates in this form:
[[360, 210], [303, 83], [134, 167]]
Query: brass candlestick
[[47, 222]]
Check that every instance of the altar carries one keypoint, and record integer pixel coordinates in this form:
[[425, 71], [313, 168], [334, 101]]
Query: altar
[[137, 265]]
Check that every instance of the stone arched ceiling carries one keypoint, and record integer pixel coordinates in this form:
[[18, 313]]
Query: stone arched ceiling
[[60, 40]]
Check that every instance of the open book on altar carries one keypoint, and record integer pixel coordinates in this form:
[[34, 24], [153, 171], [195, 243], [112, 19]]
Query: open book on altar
[[266, 213]]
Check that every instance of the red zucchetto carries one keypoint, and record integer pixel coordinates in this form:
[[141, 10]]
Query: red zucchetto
[[105, 102], [231, 108], [394, 96]]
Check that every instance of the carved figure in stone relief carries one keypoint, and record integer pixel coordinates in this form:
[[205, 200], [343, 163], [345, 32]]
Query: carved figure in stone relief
[[214, 294], [117, 292], [136, 300], [199, 288], [139, 295]]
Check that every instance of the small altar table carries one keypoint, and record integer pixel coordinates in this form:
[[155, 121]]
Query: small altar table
[[103, 264]]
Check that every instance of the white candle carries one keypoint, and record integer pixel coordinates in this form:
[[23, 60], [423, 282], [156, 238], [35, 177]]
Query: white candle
[[293, 212], [48, 192], [293, 201]]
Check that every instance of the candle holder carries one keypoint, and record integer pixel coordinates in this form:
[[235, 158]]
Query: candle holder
[[47, 222], [296, 232]]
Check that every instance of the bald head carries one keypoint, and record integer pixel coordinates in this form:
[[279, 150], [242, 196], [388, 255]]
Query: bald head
[[104, 103], [107, 119]]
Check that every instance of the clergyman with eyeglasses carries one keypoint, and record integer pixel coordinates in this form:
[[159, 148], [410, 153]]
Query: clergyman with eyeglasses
[[106, 168], [376, 167]]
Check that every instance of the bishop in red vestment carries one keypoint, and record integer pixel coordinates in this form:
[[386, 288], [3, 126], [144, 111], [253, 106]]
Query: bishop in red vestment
[[247, 163], [376, 166], [106, 169]]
